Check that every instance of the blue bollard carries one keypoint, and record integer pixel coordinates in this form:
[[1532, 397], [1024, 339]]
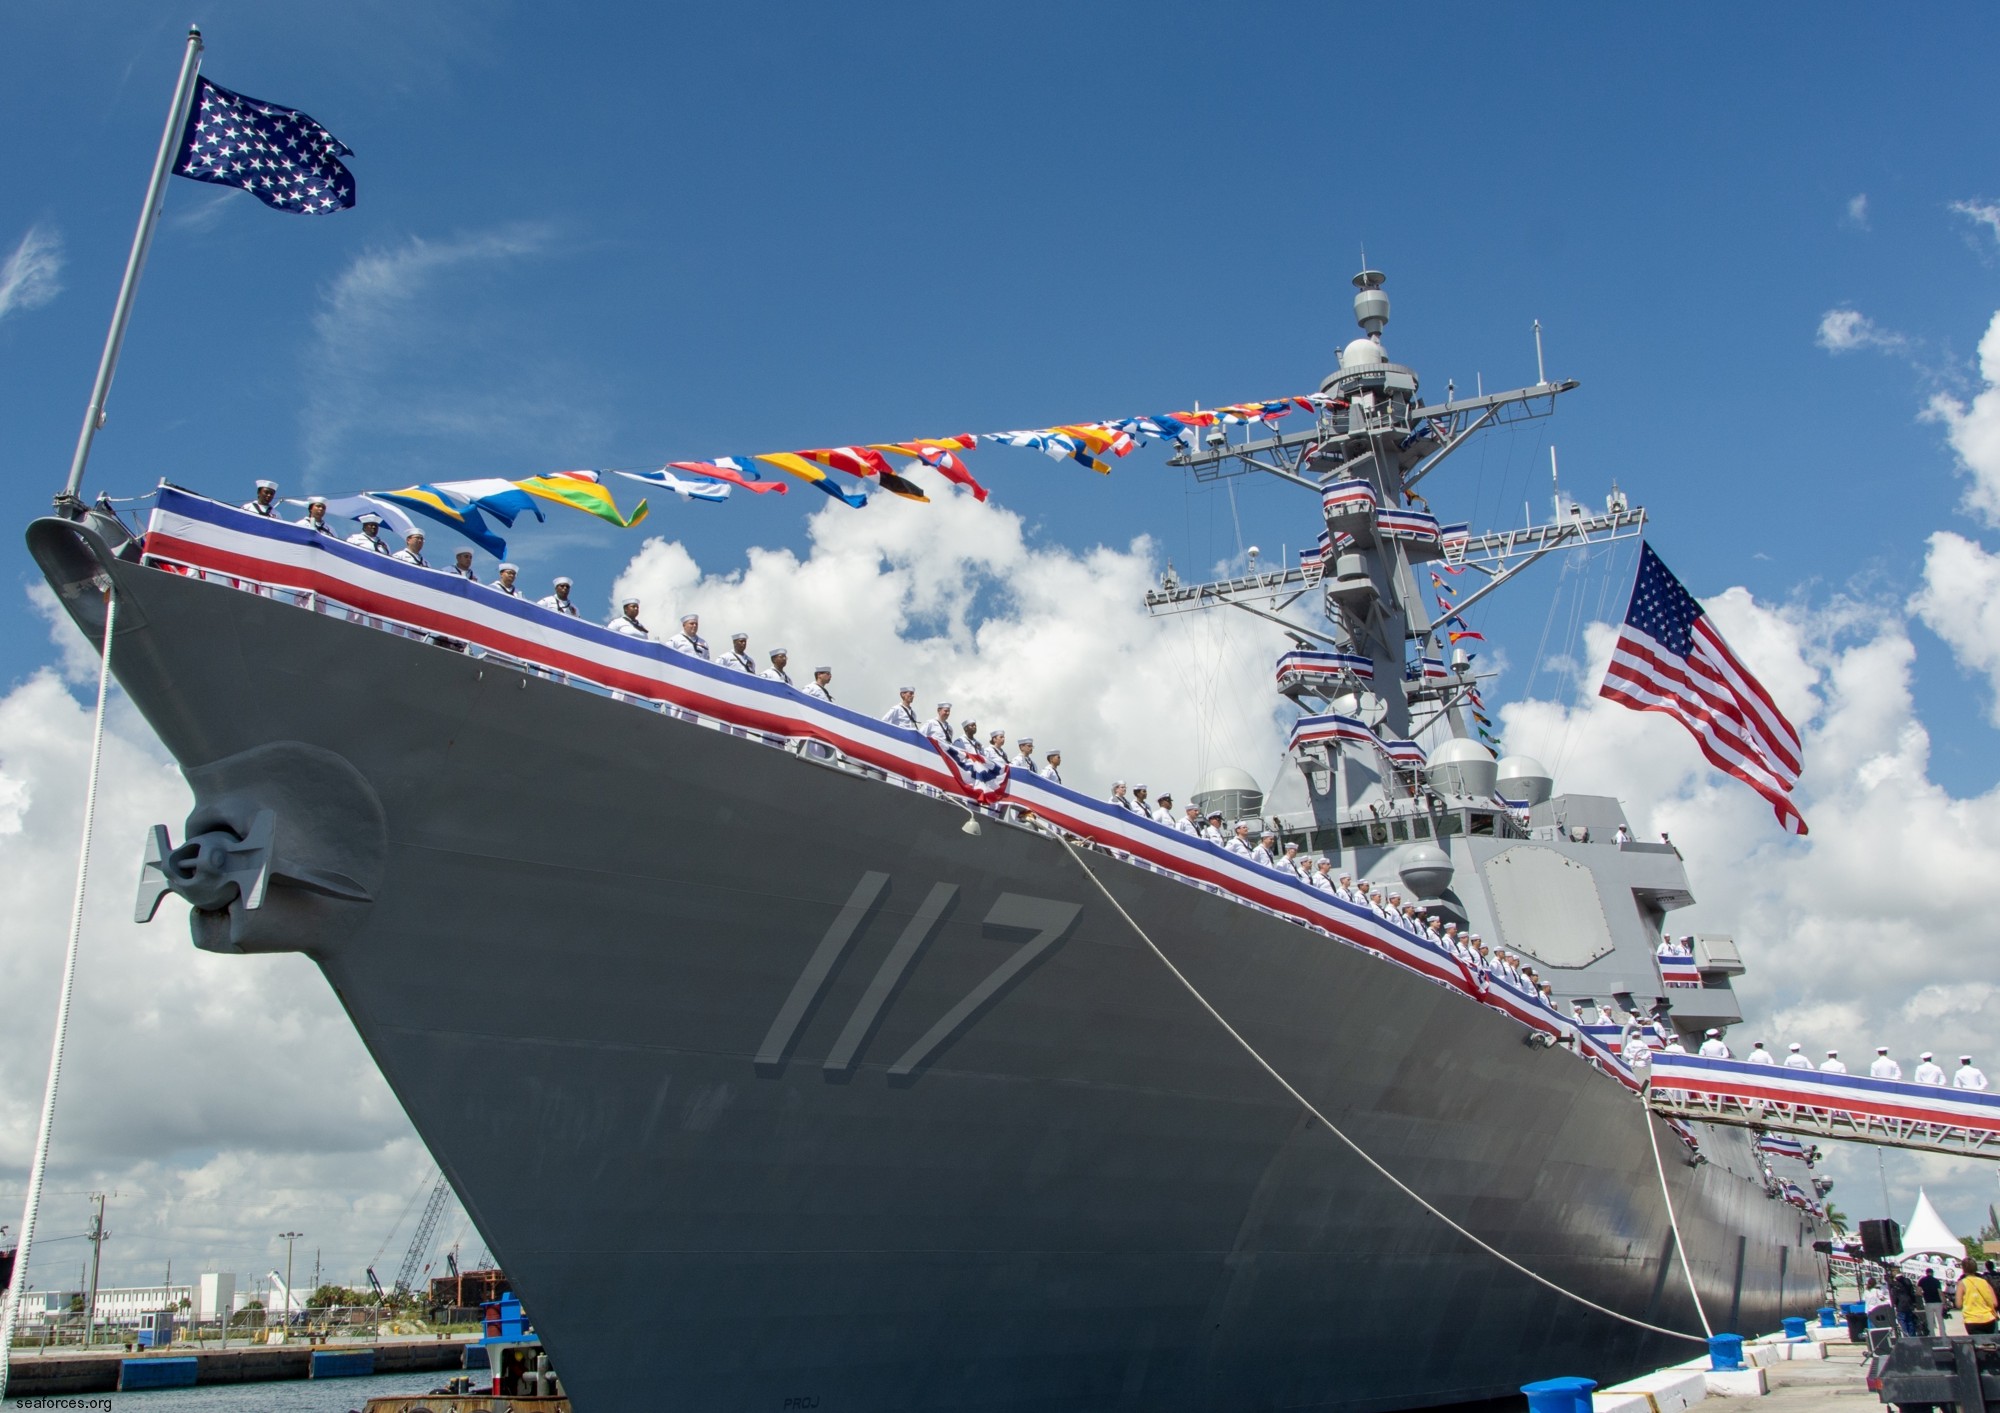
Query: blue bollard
[[1826, 1317], [1559, 1395], [1795, 1327], [1725, 1352]]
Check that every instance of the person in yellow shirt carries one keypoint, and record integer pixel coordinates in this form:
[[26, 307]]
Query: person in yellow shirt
[[1976, 1302]]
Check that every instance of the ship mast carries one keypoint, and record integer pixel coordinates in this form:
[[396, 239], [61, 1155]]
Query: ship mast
[[1373, 443]]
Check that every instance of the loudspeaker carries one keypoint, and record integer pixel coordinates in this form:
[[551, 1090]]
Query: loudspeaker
[[1881, 1238]]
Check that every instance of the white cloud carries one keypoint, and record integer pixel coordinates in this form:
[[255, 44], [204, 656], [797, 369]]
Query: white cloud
[[1960, 602], [1973, 428], [1981, 213], [1857, 211], [32, 275], [1845, 330], [954, 600]]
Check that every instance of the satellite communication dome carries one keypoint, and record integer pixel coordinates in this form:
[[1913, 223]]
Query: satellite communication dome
[[1235, 792], [1462, 767], [1361, 353], [1425, 870], [1525, 778]]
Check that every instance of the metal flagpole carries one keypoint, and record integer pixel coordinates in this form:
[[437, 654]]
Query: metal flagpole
[[93, 418]]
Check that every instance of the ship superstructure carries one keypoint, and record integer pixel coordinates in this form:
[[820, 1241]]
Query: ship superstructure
[[923, 1121]]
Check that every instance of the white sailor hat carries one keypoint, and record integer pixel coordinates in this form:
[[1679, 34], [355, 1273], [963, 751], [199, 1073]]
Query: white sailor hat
[[739, 637], [1212, 814], [1881, 1049], [1965, 1059], [1138, 787], [1268, 834], [369, 517], [563, 581], [779, 652], [464, 551], [312, 501], [267, 485], [1291, 843], [944, 706], [1001, 731], [1793, 1046], [906, 691], [827, 670], [1117, 784], [1024, 741], [1925, 1056], [690, 618], [1832, 1053], [506, 565], [1713, 1031], [629, 603], [413, 530]]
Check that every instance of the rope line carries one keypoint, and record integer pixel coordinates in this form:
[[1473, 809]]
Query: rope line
[[10, 1306], [1680, 1247], [1358, 1150]]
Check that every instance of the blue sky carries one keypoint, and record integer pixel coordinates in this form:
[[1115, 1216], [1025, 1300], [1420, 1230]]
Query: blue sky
[[621, 235]]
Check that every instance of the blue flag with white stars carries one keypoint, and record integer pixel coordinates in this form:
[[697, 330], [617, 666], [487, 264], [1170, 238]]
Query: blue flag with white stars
[[279, 155]]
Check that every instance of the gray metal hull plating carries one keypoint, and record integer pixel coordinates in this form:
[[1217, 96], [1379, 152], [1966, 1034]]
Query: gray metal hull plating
[[1082, 1195]]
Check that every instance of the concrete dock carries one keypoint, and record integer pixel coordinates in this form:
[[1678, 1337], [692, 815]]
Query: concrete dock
[[56, 1374], [1836, 1384]]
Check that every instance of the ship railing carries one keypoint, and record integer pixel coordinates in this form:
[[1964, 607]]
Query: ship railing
[[1856, 1108], [1528, 1009]]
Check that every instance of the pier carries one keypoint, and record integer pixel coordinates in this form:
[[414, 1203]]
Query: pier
[[66, 1374]]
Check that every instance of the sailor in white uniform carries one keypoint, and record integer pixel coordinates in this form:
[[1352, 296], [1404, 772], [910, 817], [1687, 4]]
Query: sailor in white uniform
[[1322, 875], [316, 516], [1884, 1067], [412, 551], [1163, 811], [1795, 1057], [1262, 854], [689, 639], [1239, 841], [938, 728], [776, 671], [461, 565], [628, 622], [559, 601], [819, 688], [996, 747], [1024, 756], [1832, 1064], [369, 536], [1190, 821], [1052, 767], [1139, 803], [1759, 1055], [1712, 1047], [903, 713], [1291, 862], [1212, 828], [505, 582], [1928, 1071], [1121, 800], [738, 655], [266, 501], [1967, 1075]]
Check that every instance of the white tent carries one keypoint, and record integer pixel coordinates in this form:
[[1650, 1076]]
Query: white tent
[[1928, 1236]]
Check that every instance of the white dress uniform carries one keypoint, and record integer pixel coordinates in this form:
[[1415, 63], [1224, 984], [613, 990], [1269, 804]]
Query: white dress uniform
[[1187, 826], [1759, 1056], [818, 692], [630, 627], [1050, 773], [1885, 1068], [408, 556], [1026, 762], [1126, 803], [1713, 1049], [499, 587], [1797, 1061], [1832, 1065], [320, 526], [558, 605], [1237, 846], [1164, 816], [361, 539], [267, 511], [697, 645], [1212, 834], [939, 731], [1968, 1076], [1929, 1072], [740, 661], [777, 674], [1321, 880], [465, 573], [902, 715]]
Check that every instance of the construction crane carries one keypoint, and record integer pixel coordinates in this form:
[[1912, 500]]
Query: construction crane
[[420, 1244]]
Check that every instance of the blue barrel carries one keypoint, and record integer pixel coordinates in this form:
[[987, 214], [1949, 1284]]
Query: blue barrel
[[156, 1373], [1725, 1351], [1827, 1316], [1559, 1395], [1795, 1327]]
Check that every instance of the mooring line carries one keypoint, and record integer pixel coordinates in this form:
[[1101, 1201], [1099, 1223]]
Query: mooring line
[[1680, 1247], [10, 1305], [1361, 1152]]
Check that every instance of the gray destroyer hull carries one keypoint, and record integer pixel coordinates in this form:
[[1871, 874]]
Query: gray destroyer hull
[[771, 1087]]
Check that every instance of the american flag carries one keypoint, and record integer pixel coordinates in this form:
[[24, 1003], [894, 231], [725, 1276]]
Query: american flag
[[279, 155], [1669, 658]]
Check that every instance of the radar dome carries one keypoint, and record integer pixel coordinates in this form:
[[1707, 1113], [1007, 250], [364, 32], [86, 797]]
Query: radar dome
[[1425, 870], [1525, 778], [1360, 353], [1235, 792], [1462, 767]]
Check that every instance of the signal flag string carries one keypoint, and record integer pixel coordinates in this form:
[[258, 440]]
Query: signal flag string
[[1363, 1154]]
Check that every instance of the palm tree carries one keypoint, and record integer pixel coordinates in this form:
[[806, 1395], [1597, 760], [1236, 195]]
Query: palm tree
[[1837, 1219]]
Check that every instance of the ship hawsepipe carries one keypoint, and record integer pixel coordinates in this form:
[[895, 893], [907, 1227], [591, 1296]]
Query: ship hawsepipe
[[706, 1036]]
